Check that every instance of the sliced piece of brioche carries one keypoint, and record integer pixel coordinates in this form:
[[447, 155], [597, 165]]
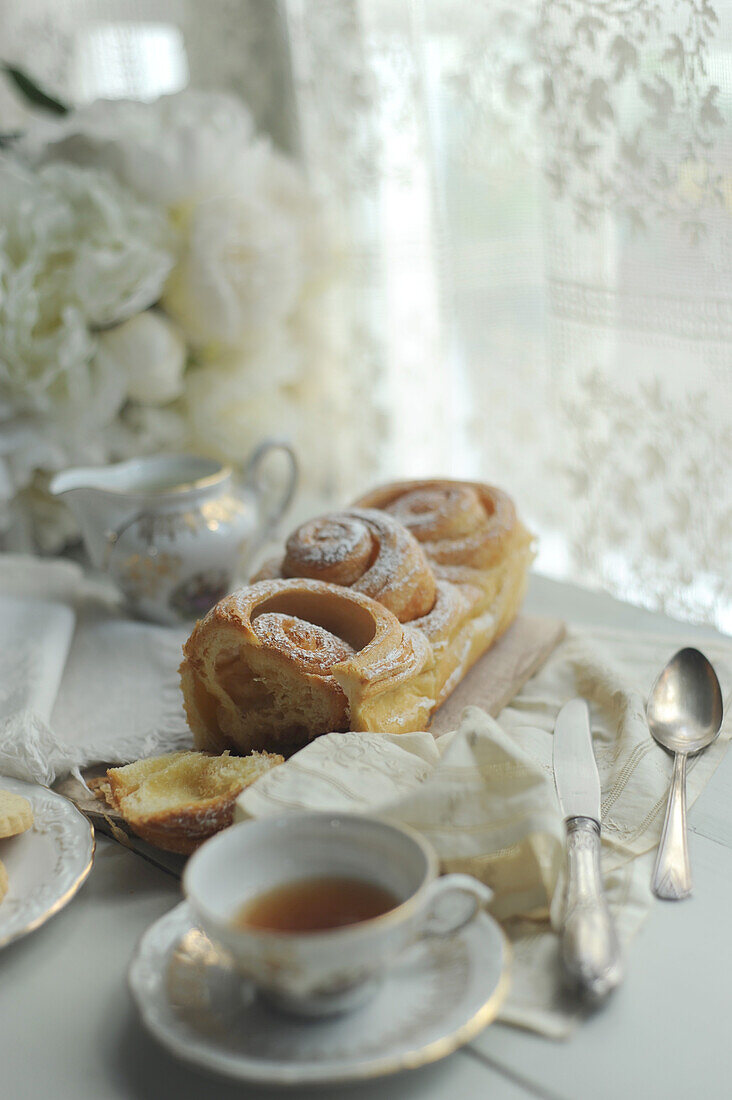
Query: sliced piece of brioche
[[16, 814], [3, 881], [179, 800]]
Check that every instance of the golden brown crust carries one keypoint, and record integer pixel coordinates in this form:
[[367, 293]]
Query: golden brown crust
[[282, 661], [178, 800], [480, 553], [365, 550], [443, 627], [458, 523], [182, 846]]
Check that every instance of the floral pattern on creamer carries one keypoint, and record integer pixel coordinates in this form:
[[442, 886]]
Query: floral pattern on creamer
[[143, 575], [197, 593]]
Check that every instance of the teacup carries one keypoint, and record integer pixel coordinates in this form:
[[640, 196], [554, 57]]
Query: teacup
[[317, 973]]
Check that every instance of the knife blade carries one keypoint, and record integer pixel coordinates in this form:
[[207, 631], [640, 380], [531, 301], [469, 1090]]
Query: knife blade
[[575, 770], [588, 946]]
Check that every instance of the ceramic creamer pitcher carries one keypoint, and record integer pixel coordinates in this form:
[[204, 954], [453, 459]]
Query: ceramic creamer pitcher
[[172, 530]]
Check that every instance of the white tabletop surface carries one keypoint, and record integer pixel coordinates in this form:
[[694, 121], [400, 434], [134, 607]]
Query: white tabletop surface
[[69, 1031]]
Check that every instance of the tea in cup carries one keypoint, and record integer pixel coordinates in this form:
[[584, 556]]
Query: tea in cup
[[313, 908]]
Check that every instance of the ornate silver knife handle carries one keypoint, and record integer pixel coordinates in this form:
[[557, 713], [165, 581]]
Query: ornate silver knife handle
[[589, 948]]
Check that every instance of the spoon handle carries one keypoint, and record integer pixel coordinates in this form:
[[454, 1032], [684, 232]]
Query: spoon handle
[[672, 873]]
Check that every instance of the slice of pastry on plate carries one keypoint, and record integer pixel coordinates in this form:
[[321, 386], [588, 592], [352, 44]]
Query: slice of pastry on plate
[[178, 800]]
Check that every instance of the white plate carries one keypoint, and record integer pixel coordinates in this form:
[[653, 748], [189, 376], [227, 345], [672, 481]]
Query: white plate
[[442, 993], [47, 864]]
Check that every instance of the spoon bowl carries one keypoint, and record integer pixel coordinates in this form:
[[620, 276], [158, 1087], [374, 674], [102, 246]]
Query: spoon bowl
[[684, 710], [684, 714]]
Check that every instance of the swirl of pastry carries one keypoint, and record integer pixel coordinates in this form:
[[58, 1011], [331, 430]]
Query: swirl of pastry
[[314, 648], [367, 551], [451, 610], [282, 661], [457, 522]]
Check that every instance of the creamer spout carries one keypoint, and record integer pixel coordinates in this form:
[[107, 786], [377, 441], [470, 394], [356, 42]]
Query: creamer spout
[[96, 510]]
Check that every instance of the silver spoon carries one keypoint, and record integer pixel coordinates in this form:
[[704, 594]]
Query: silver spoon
[[684, 713]]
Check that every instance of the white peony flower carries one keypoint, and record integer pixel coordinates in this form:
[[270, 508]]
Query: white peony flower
[[89, 242], [229, 413], [45, 443], [38, 521], [177, 148], [287, 188], [272, 359], [149, 352], [132, 204], [147, 429], [241, 270], [31, 449], [43, 363], [75, 251]]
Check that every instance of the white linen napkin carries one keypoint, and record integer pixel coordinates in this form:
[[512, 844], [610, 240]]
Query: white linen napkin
[[487, 807], [79, 682], [36, 626], [485, 797], [120, 696]]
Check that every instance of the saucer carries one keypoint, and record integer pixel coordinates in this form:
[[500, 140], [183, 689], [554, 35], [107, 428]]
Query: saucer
[[46, 864], [441, 993]]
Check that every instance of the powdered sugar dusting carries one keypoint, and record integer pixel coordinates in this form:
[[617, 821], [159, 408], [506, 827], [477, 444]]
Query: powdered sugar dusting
[[458, 523], [451, 608], [337, 548], [369, 551], [394, 654], [313, 646]]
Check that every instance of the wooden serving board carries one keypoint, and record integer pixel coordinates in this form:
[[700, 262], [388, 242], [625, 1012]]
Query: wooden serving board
[[498, 677], [491, 684]]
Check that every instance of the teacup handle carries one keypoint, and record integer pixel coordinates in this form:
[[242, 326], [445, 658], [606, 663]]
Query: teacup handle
[[251, 474], [478, 892]]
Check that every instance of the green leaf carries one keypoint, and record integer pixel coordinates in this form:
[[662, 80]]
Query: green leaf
[[32, 92]]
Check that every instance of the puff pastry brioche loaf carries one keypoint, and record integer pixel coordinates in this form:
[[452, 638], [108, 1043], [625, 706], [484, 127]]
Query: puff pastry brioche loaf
[[368, 621], [282, 661]]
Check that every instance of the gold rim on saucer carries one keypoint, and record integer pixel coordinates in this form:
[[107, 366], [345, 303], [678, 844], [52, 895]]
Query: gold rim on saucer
[[174, 970]]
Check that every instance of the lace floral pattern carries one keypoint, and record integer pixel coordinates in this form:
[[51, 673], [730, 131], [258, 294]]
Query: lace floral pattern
[[612, 460], [536, 203], [577, 221]]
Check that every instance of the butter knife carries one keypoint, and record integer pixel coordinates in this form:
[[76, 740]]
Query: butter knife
[[588, 948]]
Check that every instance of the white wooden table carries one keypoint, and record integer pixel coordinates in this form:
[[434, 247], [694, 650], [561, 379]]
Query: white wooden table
[[68, 1030]]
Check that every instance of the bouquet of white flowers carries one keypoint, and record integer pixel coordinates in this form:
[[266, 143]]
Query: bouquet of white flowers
[[162, 278]]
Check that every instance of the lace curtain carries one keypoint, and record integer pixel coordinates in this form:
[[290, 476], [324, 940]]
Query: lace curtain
[[536, 200]]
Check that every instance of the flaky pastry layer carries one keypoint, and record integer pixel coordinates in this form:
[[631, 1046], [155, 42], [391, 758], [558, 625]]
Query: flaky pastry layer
[[178, 800], [365, 550], [284, 660]]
